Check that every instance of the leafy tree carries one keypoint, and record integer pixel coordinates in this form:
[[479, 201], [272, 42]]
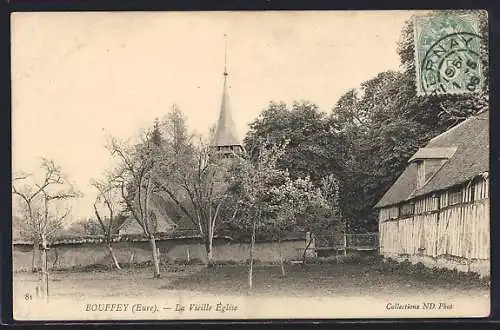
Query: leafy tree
[[310, 142], [296, 204], [379, 138], [270, 200], [156, 134], [250, 184]]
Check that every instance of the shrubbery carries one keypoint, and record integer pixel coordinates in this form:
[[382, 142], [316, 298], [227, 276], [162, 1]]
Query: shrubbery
[[419, 270]]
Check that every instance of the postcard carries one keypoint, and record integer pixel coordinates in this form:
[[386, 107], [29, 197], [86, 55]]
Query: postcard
[[250, 165]]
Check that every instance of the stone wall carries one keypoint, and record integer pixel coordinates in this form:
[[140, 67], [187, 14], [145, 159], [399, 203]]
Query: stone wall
[[86, 254]]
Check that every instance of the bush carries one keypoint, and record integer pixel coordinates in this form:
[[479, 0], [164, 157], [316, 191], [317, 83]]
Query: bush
[[193, 261], [360, 258], [228, 262], [255, 262], [419, 270], [87, 268], [144, 264], [351, 258]]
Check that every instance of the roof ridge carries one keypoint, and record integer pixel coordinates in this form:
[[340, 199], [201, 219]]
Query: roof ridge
[[472, 117]]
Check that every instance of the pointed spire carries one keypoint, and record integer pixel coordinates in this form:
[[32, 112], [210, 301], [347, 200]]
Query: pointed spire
[[225, 55], [226, 138]]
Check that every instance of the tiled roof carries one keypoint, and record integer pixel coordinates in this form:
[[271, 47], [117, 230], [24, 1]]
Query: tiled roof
[[471, 159]]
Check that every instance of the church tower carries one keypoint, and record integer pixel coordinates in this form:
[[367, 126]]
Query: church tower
[[226, 139]]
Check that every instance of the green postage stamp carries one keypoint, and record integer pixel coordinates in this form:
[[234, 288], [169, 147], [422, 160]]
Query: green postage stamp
[[448, 53]]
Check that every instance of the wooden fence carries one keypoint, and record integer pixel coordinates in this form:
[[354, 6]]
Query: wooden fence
[[358, 242]]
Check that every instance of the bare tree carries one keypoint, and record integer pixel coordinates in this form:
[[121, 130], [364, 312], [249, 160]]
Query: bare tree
[[40, 203], [191, 177], [134, 175], [198, 186], [107, 198]]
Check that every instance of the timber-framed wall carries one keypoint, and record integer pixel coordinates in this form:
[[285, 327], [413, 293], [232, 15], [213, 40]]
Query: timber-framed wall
[[445, 229]]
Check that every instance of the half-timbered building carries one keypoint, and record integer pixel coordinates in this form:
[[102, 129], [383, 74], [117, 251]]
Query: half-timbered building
[[437, 211]]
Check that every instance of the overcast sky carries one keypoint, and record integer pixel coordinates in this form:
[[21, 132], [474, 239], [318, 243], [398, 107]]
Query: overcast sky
[[78, 77]]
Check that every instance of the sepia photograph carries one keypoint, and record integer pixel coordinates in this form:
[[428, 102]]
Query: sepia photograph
[[211, 165]]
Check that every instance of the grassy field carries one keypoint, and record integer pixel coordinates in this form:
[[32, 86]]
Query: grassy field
[[322, 280], [323, 290], [313, 280]]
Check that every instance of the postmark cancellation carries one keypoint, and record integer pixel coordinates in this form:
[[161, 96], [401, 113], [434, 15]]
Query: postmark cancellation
[[448, 52]]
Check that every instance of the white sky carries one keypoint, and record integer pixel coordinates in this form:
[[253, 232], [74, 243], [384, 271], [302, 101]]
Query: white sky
[[77, 77]]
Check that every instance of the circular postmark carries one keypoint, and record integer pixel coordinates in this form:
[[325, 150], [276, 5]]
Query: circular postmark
[[452, 65]]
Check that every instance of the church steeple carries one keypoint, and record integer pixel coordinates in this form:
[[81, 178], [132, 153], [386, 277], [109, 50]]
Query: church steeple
[[226, 138]]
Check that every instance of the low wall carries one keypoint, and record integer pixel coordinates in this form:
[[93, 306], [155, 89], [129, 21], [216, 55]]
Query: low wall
[[479, 266], [86, 254]]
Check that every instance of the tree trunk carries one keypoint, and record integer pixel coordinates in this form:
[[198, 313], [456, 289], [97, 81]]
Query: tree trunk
[[132, 260], [304, 255], [36, 250], [156, 261], [345, 244], [282, 264], [250, 271], [112, 253], [56, 258], [210, 253], [45, 272]]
